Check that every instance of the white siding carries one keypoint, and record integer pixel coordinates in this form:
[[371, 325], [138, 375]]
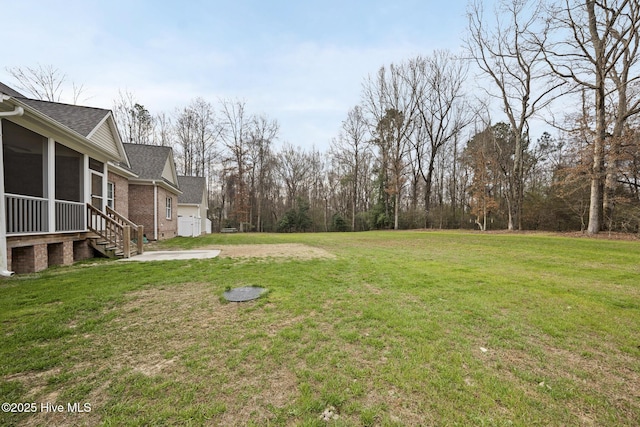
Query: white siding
[[204, 206], [188, 210], [167, 172], [103, 138]]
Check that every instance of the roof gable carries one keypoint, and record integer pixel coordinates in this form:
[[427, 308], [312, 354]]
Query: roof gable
[[169, 171], [193, 188], [90, 127], [152, 162], [80, 119], [106, 135]]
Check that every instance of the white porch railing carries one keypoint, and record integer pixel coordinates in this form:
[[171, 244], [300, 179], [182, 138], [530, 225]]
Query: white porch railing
[[70, 216], [30, 215], [26, 214]]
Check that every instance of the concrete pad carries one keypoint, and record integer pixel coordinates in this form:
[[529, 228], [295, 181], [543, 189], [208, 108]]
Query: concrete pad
[[173, 255]]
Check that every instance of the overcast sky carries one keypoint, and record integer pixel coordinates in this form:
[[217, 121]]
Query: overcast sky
[[300, 62]]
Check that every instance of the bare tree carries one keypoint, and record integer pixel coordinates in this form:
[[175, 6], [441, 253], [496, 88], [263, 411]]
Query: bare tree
[[262, 134], [186, 136], [294, 171], [44, 82], [390, 104], [207, 132], [589, 41], [625, 101], [197, 132], [318, 189], [134, 121], [441, 109], [236, 139], [507, 52], [349, 148], [163, 134]]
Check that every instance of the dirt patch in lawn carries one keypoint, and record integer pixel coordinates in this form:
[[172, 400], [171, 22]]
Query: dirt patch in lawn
[[178, 335], [280, 250]]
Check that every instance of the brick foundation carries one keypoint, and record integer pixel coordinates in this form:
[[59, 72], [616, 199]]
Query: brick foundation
[[60, 253], [82, 250], [29, 259]]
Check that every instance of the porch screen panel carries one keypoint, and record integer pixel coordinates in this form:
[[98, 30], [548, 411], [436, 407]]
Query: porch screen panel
[[24, 160], [69, 174]]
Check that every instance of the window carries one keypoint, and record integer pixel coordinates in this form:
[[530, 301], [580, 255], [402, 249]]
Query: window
[[96, 165], [168, 207], [111, 195]]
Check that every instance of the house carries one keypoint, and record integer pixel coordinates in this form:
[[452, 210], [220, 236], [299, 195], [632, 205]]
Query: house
[[154, 191], [193, 206], [64, 177]]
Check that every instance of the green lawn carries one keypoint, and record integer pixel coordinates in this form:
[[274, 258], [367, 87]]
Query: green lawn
[[399, 328]]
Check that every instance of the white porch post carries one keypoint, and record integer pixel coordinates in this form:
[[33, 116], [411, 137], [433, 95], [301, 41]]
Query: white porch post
[[51, 184], [155, 211], [105, 185], [87, 178], [18, 111], [3, 219], [86, 187]]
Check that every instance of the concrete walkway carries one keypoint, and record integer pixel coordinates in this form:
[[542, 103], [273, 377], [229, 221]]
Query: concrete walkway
[[173, 255]]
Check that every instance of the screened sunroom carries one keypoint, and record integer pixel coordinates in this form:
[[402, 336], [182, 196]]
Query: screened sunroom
[[46, 183]]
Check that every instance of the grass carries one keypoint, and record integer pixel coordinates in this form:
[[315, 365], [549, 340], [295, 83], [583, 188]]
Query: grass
[[401, 328]]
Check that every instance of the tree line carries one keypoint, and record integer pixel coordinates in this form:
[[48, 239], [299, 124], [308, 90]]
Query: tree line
[[423, 147]]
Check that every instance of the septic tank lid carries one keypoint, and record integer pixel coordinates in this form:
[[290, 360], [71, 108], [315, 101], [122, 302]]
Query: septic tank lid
[[245, 293]]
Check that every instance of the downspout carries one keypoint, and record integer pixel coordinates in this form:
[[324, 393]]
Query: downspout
[[4, 272], [155, 211]]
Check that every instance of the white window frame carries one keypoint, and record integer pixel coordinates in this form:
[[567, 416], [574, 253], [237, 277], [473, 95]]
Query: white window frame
[[168, 208], [111, 195]]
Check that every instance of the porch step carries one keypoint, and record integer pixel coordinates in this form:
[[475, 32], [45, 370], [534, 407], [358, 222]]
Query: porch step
[[107, 250]]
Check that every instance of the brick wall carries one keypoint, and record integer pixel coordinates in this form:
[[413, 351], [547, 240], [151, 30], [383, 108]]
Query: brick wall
[[167, 228], [121, 202], [141, 210], [141, 207]]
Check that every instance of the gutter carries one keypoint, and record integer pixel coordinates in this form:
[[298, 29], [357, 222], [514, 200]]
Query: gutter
[[4, 271], [17, 111], [155, 210]]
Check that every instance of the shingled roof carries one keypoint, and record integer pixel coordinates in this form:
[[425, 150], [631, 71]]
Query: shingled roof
[[149, 161], [192, 188], [10, 91], [81, 119]]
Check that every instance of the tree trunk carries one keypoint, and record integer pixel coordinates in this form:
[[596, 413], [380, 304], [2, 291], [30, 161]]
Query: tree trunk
[[518, 165], [597, 170], [428, 184], [396, 209]]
